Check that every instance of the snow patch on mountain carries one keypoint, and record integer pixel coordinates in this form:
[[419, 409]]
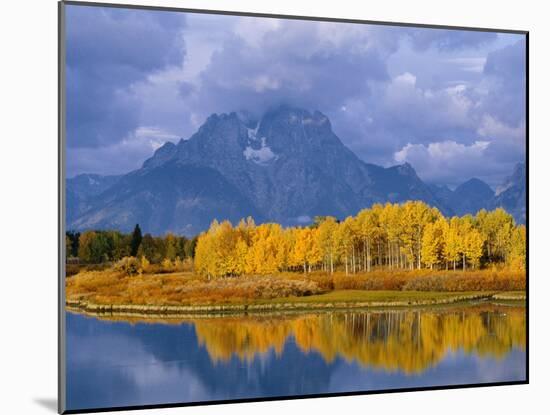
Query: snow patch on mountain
[[502, 188], [261, 156], [92, 181], [253, 133]]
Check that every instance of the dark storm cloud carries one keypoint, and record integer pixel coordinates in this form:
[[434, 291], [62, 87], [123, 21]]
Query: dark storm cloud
[[482, 131], [505, 73], [304, 64], [343, 71], [108, 50], [444, 100]]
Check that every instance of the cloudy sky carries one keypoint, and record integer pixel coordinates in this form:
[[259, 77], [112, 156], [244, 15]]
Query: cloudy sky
[[449, 102]]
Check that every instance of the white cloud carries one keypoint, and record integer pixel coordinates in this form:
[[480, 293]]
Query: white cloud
[[406, 78], [423, 109], [442, 151], [446, 161], [263, 83], [469, 64], [120, 157], [492, 128], [252, 30]]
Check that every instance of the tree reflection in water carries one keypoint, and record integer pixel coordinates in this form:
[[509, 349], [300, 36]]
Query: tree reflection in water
[[399, 340]]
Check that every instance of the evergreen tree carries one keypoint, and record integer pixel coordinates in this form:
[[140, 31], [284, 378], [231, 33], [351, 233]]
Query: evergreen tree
[[136, 241]]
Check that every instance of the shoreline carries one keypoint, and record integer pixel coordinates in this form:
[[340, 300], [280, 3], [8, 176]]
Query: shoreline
[[294, 305]]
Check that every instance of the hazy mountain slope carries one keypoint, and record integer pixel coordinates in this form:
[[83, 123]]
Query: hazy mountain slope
[[512, 194], [81, 188], [470, 197], [171, 197]]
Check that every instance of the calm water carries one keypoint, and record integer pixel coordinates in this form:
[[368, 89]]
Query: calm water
[[115, 363]]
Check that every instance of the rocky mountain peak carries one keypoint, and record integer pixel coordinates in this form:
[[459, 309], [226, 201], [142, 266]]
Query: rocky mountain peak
[[406, 169], [284, 166]]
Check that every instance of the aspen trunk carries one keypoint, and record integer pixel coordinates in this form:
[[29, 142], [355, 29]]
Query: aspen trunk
[[368, 257], [364, 254]]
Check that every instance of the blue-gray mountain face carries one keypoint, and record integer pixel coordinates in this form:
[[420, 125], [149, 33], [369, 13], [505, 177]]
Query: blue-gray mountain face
[[81, 189], [512, 196], [288, 167], [469, 197]]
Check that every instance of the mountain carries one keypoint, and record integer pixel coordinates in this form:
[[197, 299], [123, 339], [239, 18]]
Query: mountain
[[442, 193], [291, 165], [172, 196], [80, 189], [470, 197], [474, 194], [511, 194], [288, 166]]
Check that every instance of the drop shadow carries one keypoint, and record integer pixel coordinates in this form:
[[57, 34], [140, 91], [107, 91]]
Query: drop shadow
[[48, 403]]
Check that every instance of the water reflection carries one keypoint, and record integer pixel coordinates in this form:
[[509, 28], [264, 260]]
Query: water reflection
[[408, 341], [113, 363]]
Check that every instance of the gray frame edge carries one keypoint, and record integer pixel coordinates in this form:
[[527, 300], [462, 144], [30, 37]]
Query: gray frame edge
[[61, 107]]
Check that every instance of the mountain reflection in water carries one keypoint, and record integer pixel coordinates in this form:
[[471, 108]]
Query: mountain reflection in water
[[148, 362]]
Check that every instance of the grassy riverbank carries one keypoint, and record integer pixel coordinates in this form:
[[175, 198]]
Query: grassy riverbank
[[340, 299], [109, 291]]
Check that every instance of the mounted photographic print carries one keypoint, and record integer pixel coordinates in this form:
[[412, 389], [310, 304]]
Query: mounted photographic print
[[258, 207]]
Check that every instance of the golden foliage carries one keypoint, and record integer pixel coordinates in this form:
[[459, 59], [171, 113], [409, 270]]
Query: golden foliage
[[398, 237]]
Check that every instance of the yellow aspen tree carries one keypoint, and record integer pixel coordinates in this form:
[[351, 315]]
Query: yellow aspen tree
[[378, 234], [301, 247], [314, 254], [433, 242], [203, 255], [415, 216], [451, 251], [496, 227], [518, 248], [327, 241], [344, 238], [473, 246], [465, 228], [385, 224]]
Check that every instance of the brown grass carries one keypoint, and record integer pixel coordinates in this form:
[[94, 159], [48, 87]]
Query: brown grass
[[181, 288], [186, 288], [419, 280]]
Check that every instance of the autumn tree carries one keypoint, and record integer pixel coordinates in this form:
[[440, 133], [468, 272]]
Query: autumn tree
[[433, 242], [95, 247], [302, 245], [345, 237], [189, 247], [473, 241], [496, 227], [451, 250], [518, 248], [399, 236], [326, 236], [171, 246], [148, 249]]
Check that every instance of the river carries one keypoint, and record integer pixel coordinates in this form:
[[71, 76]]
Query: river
[[123, 363]]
